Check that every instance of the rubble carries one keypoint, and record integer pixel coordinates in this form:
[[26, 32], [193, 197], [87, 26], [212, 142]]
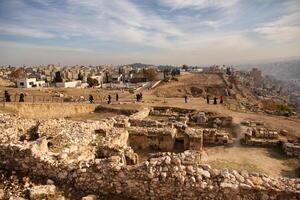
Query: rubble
[[96, 157]]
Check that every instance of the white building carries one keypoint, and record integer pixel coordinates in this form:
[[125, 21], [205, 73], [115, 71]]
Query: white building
[[71, 84], [29, 83]]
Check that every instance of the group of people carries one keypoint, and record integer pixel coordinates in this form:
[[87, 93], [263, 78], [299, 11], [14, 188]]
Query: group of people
[[8, 99], [139, 97], [208, 99], [215, 99]]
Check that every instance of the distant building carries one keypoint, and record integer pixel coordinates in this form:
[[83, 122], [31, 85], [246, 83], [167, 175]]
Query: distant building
[[70, 84], [29, 83]]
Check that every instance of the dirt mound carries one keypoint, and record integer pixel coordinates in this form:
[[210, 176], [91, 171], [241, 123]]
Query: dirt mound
[[192, 84], [5, 83]]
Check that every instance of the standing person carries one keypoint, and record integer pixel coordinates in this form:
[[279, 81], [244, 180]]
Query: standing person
[[22, 97], [185, 98], [117, 97], [91, 98], [207, 99], [221, 99], [137, 97], [109, 99], [7, 96], [215, 100], [141, 96]]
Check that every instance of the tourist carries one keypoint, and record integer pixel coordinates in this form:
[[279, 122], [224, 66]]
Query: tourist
[[117, 97], [7, 96], [137, 97], [91, 98], [215, 100], [141, 96], [207, 99], [221, 99], [109, 99], [185, 98], [22, 98]]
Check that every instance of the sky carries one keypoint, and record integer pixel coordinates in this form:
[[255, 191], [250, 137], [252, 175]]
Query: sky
[[193, 32]]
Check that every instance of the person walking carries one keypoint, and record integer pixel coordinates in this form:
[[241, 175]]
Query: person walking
[[207, 99], [7, 96], [91, 98], [117, 97], [221, 99], [109, 99], [141, 96], [215, 100], [22, 97], [185, 98]]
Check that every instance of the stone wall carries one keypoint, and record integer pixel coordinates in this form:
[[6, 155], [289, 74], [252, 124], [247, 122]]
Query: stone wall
[[292, 149], [261, 137], [94, 157], [49, 110], [152, 138], [169, 176]]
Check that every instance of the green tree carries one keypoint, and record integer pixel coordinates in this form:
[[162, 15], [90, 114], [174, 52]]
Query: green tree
[[58, 78], [185, 67], [92, 82], [80, 77]]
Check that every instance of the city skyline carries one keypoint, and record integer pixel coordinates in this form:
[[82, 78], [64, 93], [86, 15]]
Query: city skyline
[[157, 31]]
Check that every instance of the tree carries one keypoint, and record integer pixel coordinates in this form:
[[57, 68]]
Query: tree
[[92, 82], [150, 74], [18, 73], [80, 77], [175, 72], [166, 72], [58, 78], [106, 77], [185, 67]]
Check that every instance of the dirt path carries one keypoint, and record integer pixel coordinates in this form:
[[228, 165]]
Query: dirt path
[[263, 160]]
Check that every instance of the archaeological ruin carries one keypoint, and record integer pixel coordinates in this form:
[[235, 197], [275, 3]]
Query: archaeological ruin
[[107, 157]]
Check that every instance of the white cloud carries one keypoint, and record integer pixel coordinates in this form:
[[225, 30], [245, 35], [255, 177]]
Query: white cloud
[[285, 29], [29, 32], [199, 4], [16, 45]]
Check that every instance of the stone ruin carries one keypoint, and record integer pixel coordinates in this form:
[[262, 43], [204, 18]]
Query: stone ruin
[[261, 137], [258, 135], [98, 157], [292, 148]]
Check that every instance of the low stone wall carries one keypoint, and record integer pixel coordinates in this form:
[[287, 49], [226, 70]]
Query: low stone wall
[[261, 137], [292, 149], [149, 123], [152, 138], [49, 110], [121, 111], [141, 114], [215, 137], [166, 177]]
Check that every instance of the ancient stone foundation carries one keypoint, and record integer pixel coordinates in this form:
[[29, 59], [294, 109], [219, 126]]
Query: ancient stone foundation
[[96, 157]]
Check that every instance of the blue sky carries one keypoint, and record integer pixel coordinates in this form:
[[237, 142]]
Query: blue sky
[[149, 31]]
